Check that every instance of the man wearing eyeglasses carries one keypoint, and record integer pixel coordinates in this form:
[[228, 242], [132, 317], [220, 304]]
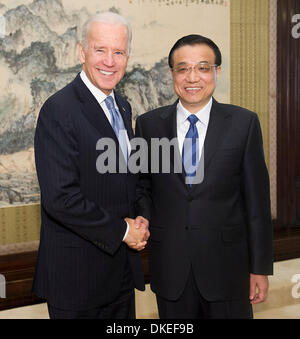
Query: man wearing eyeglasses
[[210, 248]]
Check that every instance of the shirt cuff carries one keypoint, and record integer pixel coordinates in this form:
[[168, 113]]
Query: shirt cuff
[[126, 231]]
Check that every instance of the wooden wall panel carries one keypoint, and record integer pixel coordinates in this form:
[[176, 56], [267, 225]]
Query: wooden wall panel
[[287, 225], [249, 60], [288, 115]]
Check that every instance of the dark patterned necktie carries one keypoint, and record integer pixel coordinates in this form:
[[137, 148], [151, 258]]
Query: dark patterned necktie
[[190, 151], [117, 125]]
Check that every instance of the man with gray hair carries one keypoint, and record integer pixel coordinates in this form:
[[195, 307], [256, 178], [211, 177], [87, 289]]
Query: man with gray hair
[[88, 262]]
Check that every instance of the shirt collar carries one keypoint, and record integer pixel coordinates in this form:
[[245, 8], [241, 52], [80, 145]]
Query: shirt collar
[[202, 115], [97, 93]]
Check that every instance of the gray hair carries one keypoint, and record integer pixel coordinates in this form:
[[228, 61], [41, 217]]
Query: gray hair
[[107, 18]]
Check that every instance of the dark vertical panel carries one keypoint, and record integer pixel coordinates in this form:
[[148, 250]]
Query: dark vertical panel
[[288, 116]]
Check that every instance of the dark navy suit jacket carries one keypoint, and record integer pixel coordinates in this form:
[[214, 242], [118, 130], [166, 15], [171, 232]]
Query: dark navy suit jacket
[[221, 228], [81, 259]]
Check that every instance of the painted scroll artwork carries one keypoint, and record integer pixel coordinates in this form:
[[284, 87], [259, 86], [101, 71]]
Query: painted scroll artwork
[[38, 56]]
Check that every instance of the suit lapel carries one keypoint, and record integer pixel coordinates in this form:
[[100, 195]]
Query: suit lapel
[[169, 121], [93, 111], [217, 128], [126, 115], [95, 115], [169, 125], [218, 125]]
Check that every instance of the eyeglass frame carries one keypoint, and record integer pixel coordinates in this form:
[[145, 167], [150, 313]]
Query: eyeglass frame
[[189, 68]]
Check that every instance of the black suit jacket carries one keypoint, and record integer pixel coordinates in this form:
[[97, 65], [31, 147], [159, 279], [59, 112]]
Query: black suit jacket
[[220, 228], [81, 259]]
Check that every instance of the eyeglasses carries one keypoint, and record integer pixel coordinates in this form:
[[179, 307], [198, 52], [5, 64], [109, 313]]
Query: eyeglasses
[[200, 68]]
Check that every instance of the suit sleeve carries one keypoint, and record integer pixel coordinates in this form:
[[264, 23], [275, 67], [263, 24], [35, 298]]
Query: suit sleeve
[[57, 165], [257, 199], [143, 188]]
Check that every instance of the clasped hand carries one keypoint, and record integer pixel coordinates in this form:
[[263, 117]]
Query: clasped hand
[[138, 233]]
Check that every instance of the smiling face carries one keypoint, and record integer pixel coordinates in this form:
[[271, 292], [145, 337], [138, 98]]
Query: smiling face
[[105, 57], [194, 88]]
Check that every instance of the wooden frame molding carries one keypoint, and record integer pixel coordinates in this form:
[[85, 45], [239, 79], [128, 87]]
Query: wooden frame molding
[[18, 270]]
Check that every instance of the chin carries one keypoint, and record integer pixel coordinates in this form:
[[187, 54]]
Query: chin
[[106, 87]]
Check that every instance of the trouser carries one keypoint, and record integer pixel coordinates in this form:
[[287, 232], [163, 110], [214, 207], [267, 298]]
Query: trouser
[[123, 307], [191, 305]]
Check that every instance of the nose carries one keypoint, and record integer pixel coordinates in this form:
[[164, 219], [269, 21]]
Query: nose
[[193, 75], [108, 59]]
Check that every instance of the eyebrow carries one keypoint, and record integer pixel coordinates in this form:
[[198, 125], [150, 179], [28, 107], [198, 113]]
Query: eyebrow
[[187, 63], [98, 46], [103, 47]]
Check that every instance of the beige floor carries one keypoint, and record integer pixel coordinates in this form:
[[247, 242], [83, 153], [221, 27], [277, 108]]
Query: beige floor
[[281, 304]]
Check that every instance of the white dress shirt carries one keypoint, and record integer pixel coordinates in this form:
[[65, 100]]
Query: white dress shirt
[[100, 97], [183, 124]]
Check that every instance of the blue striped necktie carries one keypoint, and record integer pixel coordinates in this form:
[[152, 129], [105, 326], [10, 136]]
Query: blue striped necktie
[[190, 151], [117, 125]]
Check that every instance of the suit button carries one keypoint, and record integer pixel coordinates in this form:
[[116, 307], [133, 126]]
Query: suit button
[[186, 227]]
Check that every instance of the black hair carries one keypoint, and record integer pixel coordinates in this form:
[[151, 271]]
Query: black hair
[[195, 39]]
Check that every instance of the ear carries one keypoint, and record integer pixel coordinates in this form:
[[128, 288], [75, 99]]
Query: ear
[[172, 72], [81, 53], [218, 71], [216, 74]]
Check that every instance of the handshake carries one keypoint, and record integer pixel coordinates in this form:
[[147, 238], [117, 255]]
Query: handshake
[[138, 233]]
